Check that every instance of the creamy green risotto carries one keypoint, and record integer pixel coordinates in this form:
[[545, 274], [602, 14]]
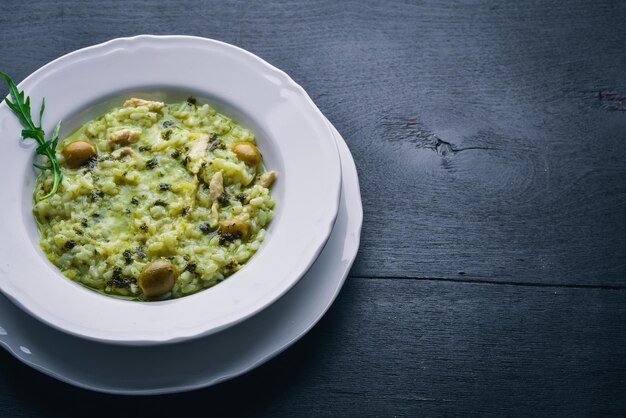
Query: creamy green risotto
[[157, 201]]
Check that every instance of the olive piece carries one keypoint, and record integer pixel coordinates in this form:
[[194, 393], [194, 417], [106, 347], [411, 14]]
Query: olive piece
[[77, 153], [247, 153], [157, 278], [234, 227]]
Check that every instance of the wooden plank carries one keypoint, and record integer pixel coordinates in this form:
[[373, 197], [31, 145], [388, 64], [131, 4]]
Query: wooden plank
[[489, 138], [480, 138], [404, 348]]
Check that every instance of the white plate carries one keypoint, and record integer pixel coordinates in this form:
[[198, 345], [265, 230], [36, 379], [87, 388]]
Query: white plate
[[292, 134], [208, 360]]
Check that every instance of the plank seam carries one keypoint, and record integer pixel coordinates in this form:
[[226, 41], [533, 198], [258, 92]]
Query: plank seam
[[495, 282]]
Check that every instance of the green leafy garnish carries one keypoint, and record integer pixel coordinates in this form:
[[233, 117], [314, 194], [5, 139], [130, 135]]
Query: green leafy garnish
[[46, 148]]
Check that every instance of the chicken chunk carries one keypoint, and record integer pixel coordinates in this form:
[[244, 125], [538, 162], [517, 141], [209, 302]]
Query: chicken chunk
[[197, 152], [123, 137], [267, 179], [215, 215], [152, 106], [216, 186]]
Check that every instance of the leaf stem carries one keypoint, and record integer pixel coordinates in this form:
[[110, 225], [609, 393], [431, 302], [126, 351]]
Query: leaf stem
[[47, 148]]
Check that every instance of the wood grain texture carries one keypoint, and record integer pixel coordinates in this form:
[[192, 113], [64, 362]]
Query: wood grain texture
[[490, 142], [480, 138], [403, 348]]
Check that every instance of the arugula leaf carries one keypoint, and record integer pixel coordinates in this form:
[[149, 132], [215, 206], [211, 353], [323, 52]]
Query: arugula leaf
[[46, 148], [43, 106]]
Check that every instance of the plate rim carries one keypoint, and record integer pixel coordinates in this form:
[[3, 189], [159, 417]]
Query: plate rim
[[357, 218], [180, 334]]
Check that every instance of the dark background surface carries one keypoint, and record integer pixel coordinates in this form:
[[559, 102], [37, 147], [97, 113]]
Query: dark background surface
[[490, 141]]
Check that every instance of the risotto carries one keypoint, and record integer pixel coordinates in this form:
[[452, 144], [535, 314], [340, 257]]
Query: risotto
[[157, 201]]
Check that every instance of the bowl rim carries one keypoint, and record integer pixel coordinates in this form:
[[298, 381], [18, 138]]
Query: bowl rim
[[238, 309]]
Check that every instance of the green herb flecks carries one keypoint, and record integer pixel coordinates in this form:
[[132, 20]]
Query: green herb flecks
[[46, 148]]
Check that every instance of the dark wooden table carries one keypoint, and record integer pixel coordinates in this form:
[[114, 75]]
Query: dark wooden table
[[490, 140]]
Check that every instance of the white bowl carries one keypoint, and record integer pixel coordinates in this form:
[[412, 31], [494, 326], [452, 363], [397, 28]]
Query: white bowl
[[291, 132]]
